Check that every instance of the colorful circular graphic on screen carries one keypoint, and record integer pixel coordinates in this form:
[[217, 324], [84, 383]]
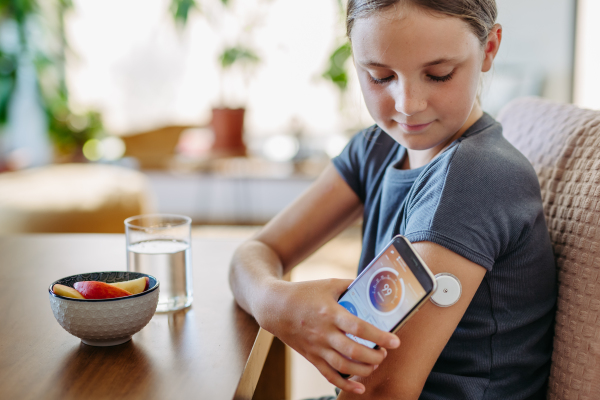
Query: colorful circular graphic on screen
[[385, 290], [350, 307]]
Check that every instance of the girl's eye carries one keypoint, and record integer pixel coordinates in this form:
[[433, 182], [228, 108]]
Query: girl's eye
[[380, 81], [445, 78]]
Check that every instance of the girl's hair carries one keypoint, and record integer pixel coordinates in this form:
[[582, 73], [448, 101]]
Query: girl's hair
[[479, 14]]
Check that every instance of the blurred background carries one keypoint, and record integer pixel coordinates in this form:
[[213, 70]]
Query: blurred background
[[222, 110]]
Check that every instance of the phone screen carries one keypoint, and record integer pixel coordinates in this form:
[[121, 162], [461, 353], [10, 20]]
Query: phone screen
[[389, 288]]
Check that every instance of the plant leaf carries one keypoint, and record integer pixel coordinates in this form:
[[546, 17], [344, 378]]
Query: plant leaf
[[237, 54], [337, 71], [6, 89], [20, 9], [180, 10], [8, 75]]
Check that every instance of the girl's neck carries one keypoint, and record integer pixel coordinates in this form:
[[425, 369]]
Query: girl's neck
[[418, 158]]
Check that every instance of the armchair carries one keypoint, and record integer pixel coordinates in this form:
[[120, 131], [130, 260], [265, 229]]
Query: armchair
[[562, 142]]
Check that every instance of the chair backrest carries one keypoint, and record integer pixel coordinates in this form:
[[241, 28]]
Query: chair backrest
[[562, 142]]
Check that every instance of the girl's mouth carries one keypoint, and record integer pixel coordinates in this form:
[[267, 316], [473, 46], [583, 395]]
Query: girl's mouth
[[414, 127]]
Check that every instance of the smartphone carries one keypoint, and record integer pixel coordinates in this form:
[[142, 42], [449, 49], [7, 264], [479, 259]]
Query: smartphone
[[390, 289]]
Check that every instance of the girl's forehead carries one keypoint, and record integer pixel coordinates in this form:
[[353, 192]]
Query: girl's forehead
[[411, 35]]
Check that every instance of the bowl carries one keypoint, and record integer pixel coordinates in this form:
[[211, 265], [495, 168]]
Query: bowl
[[105, 322]]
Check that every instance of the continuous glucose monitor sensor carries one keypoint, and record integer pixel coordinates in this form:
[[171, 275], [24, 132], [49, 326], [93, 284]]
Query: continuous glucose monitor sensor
[[448, 290]]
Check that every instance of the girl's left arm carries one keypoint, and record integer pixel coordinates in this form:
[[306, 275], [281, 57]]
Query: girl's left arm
[[403, 373]]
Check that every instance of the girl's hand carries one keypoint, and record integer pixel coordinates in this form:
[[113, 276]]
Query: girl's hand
[[310, 321]]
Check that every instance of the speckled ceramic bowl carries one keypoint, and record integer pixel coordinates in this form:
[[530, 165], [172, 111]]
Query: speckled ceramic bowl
[[105, 322]]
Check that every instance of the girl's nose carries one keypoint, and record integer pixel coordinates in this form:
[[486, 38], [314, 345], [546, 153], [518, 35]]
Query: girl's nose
[[409, 101]]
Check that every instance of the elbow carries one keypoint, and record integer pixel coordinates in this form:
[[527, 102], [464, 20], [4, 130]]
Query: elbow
[[233, 270], [240, 259]]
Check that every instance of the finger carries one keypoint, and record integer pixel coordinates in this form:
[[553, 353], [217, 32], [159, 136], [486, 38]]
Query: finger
[[355, 326], [346, 365], [340, 285], [336, 379], [356, 351]]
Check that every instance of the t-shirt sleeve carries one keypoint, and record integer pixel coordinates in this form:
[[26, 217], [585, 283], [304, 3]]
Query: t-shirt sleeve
[[479, 210], [349, 164]]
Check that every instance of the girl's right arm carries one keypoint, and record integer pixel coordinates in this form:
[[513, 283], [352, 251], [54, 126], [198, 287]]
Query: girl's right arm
[[306, 315]]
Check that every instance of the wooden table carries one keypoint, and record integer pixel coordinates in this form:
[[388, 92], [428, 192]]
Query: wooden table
[[212, 350]]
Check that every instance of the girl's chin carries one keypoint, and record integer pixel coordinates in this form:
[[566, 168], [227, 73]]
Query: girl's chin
[[417, 142], [412, 143]]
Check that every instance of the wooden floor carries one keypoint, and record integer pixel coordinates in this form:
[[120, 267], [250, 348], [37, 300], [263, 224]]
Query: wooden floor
[[337, 259]]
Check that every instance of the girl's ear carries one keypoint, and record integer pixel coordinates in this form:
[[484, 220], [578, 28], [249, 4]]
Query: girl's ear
[[491, 47]]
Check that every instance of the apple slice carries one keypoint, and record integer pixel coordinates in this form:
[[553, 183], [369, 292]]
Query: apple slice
[[134, 286], [66, 291], [99, 290]]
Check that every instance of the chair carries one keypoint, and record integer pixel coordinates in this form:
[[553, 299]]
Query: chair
[[562, 142]]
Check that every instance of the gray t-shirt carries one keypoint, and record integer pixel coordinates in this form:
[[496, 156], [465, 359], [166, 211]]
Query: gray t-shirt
[[481, 199]]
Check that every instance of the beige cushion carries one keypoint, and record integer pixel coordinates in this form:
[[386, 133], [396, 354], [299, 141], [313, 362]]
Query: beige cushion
[[563, 144], [71, 198]]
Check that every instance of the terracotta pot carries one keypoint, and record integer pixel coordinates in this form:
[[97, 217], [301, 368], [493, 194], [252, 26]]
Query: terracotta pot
[[228, 127]]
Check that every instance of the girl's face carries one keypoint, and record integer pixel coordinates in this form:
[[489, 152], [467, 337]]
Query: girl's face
[[419, 74]]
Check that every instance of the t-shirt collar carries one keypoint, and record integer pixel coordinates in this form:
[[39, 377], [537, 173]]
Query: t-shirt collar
[[484, 122]]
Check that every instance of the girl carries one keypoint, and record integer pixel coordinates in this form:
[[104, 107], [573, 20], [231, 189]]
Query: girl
[[436, 169]]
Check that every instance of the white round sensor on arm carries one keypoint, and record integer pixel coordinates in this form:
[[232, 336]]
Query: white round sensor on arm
[[448, 290]]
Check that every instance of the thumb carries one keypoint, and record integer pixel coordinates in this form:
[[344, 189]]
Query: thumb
[[340, 285]]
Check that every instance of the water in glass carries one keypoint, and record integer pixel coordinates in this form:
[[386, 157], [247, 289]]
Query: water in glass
[[169, 261]]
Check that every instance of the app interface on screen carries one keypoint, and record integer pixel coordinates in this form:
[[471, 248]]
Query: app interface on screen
[[386, 293]]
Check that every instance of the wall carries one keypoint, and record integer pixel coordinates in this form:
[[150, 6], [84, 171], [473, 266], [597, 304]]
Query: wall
[[587, 62], [536, 54]]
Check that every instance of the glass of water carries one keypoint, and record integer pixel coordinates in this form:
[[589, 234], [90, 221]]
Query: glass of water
[[159, 245]]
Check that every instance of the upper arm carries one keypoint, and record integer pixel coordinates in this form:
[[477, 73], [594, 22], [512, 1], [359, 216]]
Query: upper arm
[[424, 336], [327, 207]]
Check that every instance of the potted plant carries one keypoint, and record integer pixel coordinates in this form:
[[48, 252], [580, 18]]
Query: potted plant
[[67, 130], [236, 59]]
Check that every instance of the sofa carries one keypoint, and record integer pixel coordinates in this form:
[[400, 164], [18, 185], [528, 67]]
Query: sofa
[[72, 198]]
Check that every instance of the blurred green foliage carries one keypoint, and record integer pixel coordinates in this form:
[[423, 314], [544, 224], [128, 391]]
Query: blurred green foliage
[[231, 55], [237, 54], [337, 71], [68, 130], [19, 10], [8, 76], [180, 10], [337, 67]]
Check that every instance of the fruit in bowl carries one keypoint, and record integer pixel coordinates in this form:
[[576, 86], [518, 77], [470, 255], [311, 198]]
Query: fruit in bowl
[[101, 290], [100, 316]]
